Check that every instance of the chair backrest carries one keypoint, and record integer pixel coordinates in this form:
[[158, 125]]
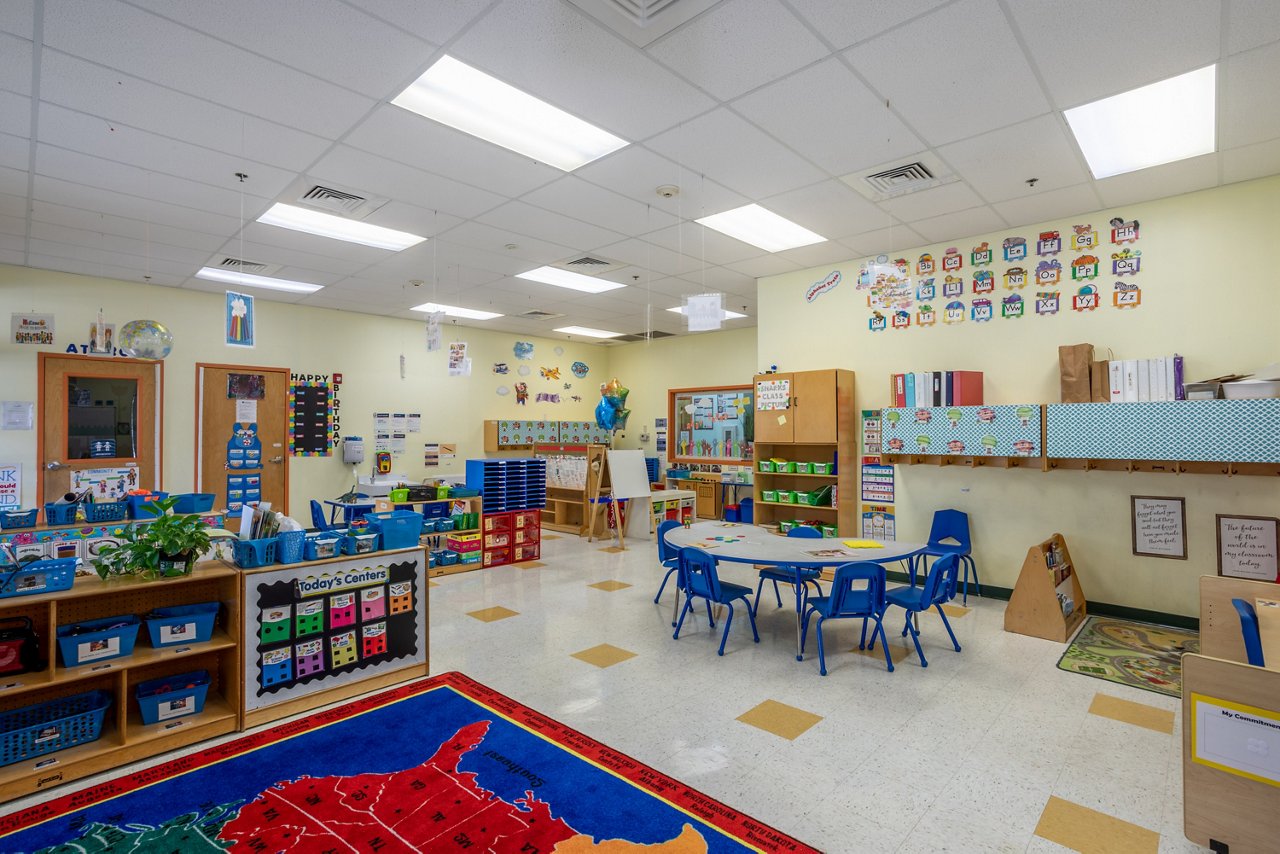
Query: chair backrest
[[1249, 628], [805, 532], [699, 571], [940, 586], [950, 524], [317, 516], [665, 550], [849, 574], [747, 510]]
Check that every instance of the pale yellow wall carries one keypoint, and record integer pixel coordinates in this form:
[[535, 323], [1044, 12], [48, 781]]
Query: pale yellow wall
[[364, 348], [1208, 277], [649, 368]]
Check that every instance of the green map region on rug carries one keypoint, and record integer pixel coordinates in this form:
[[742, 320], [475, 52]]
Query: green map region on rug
[[1142, 655], [361, 782]]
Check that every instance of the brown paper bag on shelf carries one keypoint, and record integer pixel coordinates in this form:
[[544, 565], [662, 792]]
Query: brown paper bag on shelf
[[1073, 372], [1100, 381]]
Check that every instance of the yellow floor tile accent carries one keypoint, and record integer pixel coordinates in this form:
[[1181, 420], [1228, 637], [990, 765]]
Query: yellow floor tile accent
[[1138, 714], [611, 586], [549, 537], [433, 583], [530, 564], [604, 655], [488, 615], [897, 651], [613, 550], [955, 610], [1093, 832], [780, 719]]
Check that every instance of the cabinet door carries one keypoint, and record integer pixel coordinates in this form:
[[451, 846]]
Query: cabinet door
[[708, 493], [813, 404], [774, 425]]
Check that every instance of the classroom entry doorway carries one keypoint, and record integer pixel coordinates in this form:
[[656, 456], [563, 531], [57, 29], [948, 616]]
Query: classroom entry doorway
[[101, 425], [242, 452]]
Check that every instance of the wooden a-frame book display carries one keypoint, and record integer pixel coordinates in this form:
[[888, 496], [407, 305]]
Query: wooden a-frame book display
[[1047, 601]]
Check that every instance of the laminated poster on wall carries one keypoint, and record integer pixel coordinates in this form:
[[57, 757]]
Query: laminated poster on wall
[[31, 328], [10, 485], [878, 522], [877, 481], [108, 484], [240, 322]]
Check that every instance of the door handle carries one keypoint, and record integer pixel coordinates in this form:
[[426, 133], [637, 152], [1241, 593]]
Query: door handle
[[279, 459], [54, 465]]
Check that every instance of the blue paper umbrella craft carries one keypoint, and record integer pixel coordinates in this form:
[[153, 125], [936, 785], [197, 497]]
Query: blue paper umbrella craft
[[611, 411]]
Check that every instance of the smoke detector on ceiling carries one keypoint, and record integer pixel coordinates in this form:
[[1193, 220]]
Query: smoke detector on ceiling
[[668, 191]]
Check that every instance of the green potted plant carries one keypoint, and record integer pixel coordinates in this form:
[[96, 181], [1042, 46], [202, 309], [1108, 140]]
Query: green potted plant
[[165, 547]]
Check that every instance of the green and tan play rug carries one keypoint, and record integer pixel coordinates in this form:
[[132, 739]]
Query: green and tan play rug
[[1142, 655]]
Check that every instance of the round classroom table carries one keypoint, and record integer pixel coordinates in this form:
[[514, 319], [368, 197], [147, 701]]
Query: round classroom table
[[737, 543]]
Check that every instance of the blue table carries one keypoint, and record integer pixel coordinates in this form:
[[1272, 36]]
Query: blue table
[[350, 509], [755, 545]]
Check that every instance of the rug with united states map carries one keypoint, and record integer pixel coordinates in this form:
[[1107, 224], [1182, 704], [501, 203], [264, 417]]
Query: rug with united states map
[[444, 764]]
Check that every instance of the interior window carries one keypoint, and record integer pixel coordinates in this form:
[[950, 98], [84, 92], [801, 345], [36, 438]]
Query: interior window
[[102, 417], [712, 424]]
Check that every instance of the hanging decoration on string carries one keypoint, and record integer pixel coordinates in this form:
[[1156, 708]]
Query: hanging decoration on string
[[704, 312], [611, 411], [145, 339]]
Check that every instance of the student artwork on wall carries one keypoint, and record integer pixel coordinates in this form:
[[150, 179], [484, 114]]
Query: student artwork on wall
[[31, 328], [1247, 547], [523, 350], [902, 295], [240, 321], [1159, 526]]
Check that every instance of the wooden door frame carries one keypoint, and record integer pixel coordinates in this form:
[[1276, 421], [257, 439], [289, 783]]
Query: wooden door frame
[[199, 399], [41, 360]]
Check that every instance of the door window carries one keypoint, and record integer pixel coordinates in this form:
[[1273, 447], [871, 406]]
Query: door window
[[102, 417]]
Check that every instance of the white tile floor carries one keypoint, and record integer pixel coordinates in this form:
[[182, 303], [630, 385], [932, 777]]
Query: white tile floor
[[961, 756]]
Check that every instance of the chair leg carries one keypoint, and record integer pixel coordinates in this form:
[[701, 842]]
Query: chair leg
[[947, 623], [710, 618], [752, 617], [727, 623], [688, 603], [970, 565], [915, 637], [822, 655], [804, 629], [862, 644], [759, 590], [884, 644], [777, 594], [663, 585]]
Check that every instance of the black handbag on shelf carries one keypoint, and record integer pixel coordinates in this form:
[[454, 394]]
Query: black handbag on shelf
[[19, 647]]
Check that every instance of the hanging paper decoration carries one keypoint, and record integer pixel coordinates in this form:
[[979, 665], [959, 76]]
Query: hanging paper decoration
[[1049, 243], [579, 369], [878, 322], [901, 319], [147, 339], [522, 393], [1015, 248], [984, 282], [1047, 303], [952, 286], [704, 312], [435, 337], [981, 311], [926, 316], [924, 266], [1084, 268], [1011, 306], [1048, 272], [1083, 237], [1126, 295], [1015, 278], [981, 254], [1086, 299], [523, 350], [1124, 232], [501, 368], [817, 289], [550, 373], [1126, 262], [952, 260], [611, 411], [240, 327], [954, 312]]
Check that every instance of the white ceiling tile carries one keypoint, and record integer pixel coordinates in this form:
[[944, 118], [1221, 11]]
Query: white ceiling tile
[[637, 172], [15, 114], [139, 43], [1090, 49], [843, 23], [703, 244], [1251, 23], [768, 265], [17, 17], [830, 208], [414, 219], [99, 255], [436, 22], [724, 279], [15, 64], [1051, 204], [418, 142], [892, 239], [13, 204], [649, 257], [572, 196], [1250, 111], [959, 224], [737, 46], [344, 256], [998, 164], [124, 227], [978, 78], [92, 89], [555, 52], [726, 148], [1159, 182], [819, 254], [13, 181], [384, 57], [956, 196], [97, 269], [264, 253], [828, 115], [13, 225], [1251, 161], [13, 243], [138, 247], [16, 257], [15, 152], [494, 240], [524, 220]]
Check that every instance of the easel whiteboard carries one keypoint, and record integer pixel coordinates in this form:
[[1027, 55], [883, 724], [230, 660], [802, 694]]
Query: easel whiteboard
[[628, 476]]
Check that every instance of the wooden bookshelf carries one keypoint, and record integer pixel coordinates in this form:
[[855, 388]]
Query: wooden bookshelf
[[1039, 605]]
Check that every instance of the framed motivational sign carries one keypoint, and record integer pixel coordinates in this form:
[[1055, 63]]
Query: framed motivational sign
[[1247, 547], [1159, 526]]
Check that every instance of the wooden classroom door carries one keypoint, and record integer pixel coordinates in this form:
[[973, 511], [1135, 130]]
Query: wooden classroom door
[[250, 406], [99, 413]]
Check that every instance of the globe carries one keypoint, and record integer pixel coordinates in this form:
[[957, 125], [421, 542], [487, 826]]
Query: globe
[[144, 339]]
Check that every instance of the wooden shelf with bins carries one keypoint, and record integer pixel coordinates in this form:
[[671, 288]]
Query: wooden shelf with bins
[[1035, 607], [567, 507], [124, 737]]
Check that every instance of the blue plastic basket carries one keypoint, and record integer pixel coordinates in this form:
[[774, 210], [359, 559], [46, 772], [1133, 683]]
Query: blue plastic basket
[[39, 576], [138, 502], [60, 514], [251, 554], [400, 529], [53, 725], [323, 546], [97, 640], [194, 502], [10, 519], [172, 697], [182, 624], [104, 511], [359, 544], [290, 546], [445, 557], [435, 511]]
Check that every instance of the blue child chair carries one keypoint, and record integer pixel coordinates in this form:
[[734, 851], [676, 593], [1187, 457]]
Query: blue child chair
[[317, 517], [939, 587], [668, 556], [698, 574], [787, 575], [847, 602], [1249, 629], [953, 525]]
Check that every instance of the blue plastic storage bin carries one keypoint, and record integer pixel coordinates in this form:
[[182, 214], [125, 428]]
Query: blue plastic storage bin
[[251, 554], [429, 526], [172, 697], [10, 519], [60, 514], [181, 624], [104, 511], [359, 544], [291, 546], [322, 546], [194, 502], [38, 576], [437, 510], [446, 557], [53, 725], [97, 640], [136, 503], [399, 529], [444, 525]]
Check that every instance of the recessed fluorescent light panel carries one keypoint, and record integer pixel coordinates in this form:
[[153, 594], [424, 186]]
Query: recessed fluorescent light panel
[[1166, 121], [569, 279], [339, 228], [725, 314], [455, 311], [249, 280], [759, 227], [457, 95], [588, 332]]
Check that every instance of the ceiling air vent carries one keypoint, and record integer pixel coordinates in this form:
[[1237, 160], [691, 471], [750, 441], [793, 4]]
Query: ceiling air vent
[[245, 266], [589, 265], [900, 178], [890, 180], [346, 203], [538, 314], [643, 336], [641, 12]]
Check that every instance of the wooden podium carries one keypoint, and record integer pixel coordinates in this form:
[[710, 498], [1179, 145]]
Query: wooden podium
[[1047, 601]]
